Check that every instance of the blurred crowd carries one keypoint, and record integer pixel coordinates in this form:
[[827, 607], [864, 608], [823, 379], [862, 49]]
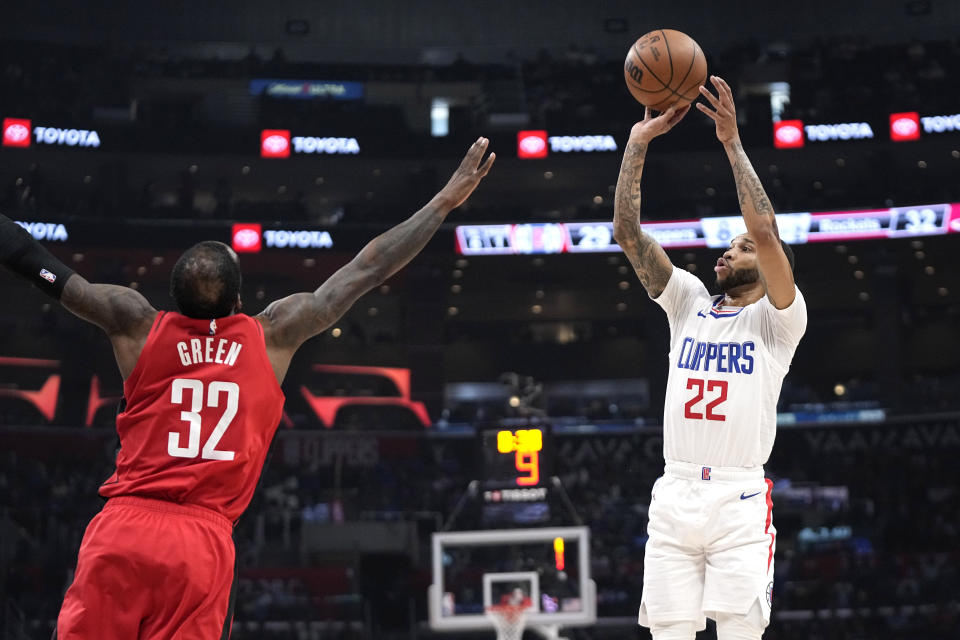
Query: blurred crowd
[[868, 528]]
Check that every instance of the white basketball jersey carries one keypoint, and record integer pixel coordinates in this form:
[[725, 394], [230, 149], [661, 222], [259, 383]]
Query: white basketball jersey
[[726, 368]]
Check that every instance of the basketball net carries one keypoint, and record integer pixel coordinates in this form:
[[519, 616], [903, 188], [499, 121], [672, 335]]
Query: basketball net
[[508, 619]]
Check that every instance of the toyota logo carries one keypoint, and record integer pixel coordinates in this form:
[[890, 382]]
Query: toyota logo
[[533, 144], [789, 134], [904, 126], [16, 133], [246, 238], [275, 144]]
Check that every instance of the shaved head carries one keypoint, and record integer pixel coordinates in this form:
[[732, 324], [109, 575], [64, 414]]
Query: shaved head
[[205, 282]]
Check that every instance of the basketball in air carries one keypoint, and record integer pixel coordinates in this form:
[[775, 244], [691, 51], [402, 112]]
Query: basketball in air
[[663, 68]]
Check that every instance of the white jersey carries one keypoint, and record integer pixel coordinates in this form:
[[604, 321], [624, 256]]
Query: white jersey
[[726, 368]]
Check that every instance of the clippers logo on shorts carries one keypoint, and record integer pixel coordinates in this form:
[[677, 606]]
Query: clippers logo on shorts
[[904, 126], [275, 143], [705, 473], [788, 134], [16, 132], [48, 276], [246, 238], [531, 144]]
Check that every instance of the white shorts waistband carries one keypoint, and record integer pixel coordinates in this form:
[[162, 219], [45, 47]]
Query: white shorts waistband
[[715, 474]]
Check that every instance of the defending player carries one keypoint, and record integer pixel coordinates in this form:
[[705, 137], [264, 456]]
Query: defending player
[[711, 538], [203, 400]]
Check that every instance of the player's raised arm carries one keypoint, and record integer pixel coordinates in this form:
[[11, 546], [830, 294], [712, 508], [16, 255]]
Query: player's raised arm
[[291, 321], [755, 206], [122, 313], [648, 258]]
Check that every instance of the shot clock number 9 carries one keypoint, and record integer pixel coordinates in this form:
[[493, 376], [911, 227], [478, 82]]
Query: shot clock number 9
[[526, 445]]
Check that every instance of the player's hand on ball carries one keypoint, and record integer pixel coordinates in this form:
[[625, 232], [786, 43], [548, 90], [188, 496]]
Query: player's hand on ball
[[469, 174], [651, 127], [724, 112]]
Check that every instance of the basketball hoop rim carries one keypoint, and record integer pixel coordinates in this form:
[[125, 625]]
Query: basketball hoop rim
[[510, 613]]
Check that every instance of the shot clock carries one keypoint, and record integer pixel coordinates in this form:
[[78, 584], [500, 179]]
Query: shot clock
[[517, 464], [516, 457]]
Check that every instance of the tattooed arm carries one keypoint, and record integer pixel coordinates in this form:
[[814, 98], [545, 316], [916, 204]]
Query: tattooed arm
[[289, 322], [648, 258], [755, 206]]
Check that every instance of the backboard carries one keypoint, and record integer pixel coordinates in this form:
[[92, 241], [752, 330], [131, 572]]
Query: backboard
[[475, 569]]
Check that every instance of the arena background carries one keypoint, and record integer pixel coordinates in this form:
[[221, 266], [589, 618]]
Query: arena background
[[146, 127]]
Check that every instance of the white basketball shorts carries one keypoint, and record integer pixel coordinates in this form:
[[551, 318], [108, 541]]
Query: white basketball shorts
[[710, 547]]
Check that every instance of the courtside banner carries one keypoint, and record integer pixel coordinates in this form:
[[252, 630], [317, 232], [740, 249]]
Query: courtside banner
[[715, 232]]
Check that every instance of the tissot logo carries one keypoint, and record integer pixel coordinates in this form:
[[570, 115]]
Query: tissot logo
[[246, 238], [275, 143], [788, 134], [532, 144], [16, 132], [904, 126]]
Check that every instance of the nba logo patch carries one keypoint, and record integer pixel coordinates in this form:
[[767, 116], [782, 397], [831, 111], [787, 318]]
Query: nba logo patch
[[46, 275], [213, 327], [705, 473], [770, 594]]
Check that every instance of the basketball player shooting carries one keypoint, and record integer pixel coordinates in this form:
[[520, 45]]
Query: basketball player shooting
[[202, 403], [711, 538]]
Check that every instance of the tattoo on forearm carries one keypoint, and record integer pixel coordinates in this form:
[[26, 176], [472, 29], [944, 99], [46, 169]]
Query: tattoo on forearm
[[651, 264], [645, 254], [753, 199]]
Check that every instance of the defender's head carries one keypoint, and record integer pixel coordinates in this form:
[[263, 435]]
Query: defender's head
[[738, 265], [205, 282]]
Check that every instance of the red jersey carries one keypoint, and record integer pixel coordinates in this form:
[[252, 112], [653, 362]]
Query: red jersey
[[202, 406]]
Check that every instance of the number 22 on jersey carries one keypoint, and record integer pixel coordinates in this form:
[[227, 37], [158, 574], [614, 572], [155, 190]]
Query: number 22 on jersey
[[718, 391], [192, 417]]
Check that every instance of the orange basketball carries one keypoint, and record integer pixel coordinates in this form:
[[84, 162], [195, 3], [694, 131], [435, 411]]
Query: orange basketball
[[665, 67]]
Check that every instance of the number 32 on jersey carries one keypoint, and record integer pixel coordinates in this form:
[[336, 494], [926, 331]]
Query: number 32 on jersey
[[192, 417]]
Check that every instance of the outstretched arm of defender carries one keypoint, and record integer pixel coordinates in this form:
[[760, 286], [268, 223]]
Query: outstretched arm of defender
[[755, 206], [122, 313], [648, 258], [291, 321]]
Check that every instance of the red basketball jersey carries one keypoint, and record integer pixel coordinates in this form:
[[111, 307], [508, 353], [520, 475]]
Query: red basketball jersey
[[202, 407]]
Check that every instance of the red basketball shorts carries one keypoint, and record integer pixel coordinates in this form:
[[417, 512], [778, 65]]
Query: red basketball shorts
[[151, 569]]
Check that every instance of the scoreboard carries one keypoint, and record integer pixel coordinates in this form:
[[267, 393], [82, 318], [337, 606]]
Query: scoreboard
[[714, 232]]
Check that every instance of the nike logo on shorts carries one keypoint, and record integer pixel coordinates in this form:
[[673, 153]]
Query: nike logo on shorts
[[743, 497]]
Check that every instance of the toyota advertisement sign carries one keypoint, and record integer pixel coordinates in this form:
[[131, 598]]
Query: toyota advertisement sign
[[531, 144], [904, 126], [246, 237], [16, 132], [788, 134], [275, 143]]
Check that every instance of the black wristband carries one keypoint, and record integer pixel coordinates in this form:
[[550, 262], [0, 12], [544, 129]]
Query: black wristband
[[26, 257]]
